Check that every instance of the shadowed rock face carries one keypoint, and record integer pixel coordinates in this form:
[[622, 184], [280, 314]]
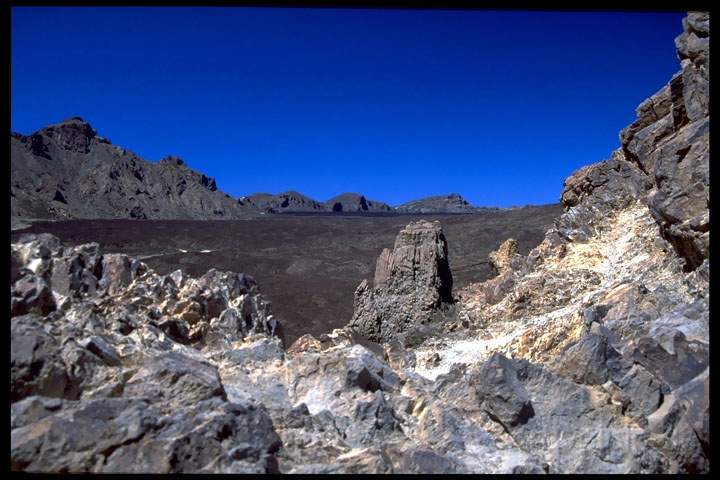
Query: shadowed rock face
[[411, 284], [67, 171]]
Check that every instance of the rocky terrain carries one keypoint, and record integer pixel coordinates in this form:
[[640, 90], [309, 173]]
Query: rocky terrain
[[307, 264], [66, 170], [587, 355], [452, 203]]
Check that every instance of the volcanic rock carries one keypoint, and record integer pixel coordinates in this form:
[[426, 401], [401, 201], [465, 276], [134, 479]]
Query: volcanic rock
[[116, 273], [66, 170], [664, 157], [172, 380], [31, 294], [36, 366], [502, 393], [683, 419], [588, 355], [411, 284], [131, 436], [609, 312], [506, 257], [173, 406]]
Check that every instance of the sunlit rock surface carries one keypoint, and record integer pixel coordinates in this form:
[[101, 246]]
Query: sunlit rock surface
[[589, 355]]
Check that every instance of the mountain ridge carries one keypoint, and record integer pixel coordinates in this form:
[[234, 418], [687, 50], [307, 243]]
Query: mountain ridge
[[66, 170]]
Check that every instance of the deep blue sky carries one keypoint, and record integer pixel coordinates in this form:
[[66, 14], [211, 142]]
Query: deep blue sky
[[395, 104]]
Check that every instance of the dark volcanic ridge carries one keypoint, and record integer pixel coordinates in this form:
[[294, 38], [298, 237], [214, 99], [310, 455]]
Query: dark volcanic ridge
[[66, 170]]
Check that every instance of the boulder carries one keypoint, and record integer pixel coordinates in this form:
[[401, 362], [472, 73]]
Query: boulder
[[505, 257], [677, 367], [421, 461], [116, 273], [131, 436], [36, 366], [592, 360], [76, 272], [31, 294], [172, 379], [683, 421], [502, 394], [373, 421]]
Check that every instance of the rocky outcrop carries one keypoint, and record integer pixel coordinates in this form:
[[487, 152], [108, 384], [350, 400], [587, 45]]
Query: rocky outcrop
[[588, 355], [615, 298], [412, 284], [353, 202], [115, 341], [451, 203], [664, 156], [66, 170], [506, 257], [130, 435]]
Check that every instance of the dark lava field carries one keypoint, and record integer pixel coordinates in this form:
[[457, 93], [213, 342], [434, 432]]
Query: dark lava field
[[307, 265]]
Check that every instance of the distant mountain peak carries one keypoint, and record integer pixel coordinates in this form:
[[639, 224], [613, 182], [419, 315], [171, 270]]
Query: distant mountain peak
[[355, 202], [448, 203], [106, 181]]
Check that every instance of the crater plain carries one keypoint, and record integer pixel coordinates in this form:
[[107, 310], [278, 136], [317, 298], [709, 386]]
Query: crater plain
[[308, 265]]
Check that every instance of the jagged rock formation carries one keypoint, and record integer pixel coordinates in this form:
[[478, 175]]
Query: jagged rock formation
[[129, 371], [66, 170], [616, 297], [411, 284], [451, 203], [107, 367], [353, 202], [290, 201], [613, 315], [588, 355], [664, 158], [506, 257]]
